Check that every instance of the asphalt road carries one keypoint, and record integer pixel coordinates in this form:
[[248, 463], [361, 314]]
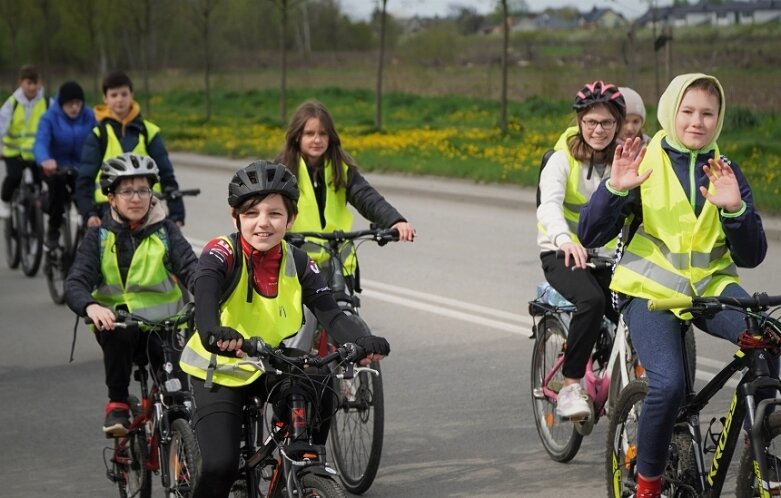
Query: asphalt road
[[452, 304]]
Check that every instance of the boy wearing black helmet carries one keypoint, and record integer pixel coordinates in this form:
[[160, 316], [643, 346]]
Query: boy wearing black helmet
[[581, 160], [128, 262], [253, 283]]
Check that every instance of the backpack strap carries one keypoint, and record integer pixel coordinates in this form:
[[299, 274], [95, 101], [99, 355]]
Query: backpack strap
[[543, 162], [103, 139]]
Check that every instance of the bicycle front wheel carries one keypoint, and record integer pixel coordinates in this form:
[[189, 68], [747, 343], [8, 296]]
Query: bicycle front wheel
[[317, 486], [621, 454], [29, 223], [184, 460], [747, 483], [358, 426], [559, 437]]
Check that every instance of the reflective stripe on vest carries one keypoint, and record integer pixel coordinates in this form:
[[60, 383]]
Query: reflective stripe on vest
[[20, 137], [673, 253], [149, 290], [271, 319], [114, 149], [576, 195], [337, 216]]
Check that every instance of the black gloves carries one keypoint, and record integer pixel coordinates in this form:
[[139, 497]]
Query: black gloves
[[220, 334], [373, 344]]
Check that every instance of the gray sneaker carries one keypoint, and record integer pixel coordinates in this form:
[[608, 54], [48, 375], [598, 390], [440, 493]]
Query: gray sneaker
[[572, 402]]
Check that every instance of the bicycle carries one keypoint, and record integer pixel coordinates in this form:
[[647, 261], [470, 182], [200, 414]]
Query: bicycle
[[160, 438], [686, 474], [612, 364], [58, 259], [287, 461], [357, 433], [24, 226]]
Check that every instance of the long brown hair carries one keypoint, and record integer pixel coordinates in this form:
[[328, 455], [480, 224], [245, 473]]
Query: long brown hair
[[582, 151], [291, 154]]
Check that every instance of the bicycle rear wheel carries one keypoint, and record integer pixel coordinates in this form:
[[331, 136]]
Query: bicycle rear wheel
[[184, 460], [29, 224], [559, 437], [134, 478], [621, 454], [58, 261], [358, 426], [747, 483], [11, 235]]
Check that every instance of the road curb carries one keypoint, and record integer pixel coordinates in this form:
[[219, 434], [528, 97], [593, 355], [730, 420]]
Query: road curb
[[504, 196]]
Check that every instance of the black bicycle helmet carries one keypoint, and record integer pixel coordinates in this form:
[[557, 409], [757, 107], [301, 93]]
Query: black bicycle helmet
[[599, 92], [128, 165], [262, 178]]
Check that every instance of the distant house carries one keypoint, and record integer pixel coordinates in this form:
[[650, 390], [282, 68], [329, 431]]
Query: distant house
[[602, 18], [726, 14]]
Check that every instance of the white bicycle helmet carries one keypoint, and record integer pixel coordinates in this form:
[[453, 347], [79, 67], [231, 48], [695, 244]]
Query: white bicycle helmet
[[128, 165]]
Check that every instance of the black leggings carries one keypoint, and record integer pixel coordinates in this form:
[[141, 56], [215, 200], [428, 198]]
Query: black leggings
[[58, 190], [14, 168], [218, 422], [589, 291]]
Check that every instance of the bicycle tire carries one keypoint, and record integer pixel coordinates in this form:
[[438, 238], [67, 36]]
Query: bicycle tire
[[680, 473], [319, 486], [11, 235], [559, 437], [136, 478], [746, 486], [621, 453], [58, 261], [690, 344], [358, 427], [30, 227], [184, 460]]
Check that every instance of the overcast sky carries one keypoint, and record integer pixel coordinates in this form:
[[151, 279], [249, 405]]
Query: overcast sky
[[361, 9]]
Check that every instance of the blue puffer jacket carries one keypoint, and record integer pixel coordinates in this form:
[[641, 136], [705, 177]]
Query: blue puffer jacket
[[62, 138]]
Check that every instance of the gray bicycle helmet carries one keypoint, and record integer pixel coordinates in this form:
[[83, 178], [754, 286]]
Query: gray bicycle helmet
[[599, 92], [262, 178], [128, 165]]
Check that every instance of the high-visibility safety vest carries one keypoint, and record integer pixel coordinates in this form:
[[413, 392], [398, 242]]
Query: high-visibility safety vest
[[271, 319], [20, 137], [114, 149], [337, 216], [673, 253], [149, 290], [575, 196]]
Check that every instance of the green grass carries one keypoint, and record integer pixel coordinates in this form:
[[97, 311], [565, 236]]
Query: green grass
[[448, 135]]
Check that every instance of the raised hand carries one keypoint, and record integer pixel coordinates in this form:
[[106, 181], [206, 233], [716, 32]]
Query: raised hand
[[626, 163], [727, 191]]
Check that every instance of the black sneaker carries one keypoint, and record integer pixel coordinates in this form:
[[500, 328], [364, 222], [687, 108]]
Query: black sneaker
[[52, 239], [117, 419]]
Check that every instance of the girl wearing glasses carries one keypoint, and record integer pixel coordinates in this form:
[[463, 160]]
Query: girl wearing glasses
[[580, 161], [133, 261]]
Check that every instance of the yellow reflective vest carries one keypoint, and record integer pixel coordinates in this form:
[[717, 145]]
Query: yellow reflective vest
[[576, 196], [20, 137], [673, 253], [149, 289], [271, 319], [114, 149], [337, 216]]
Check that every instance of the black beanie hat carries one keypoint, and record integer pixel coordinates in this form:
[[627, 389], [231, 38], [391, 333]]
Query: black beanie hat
[[70, 90]]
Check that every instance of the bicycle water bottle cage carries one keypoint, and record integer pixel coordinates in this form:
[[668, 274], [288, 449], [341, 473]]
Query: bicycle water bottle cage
[[711, 440]]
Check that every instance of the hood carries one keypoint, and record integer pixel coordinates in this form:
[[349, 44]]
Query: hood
[[671, 100], [102, 112], [22, 98]]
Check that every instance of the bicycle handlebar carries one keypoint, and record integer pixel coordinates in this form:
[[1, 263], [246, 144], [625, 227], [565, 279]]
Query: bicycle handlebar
[[173, 194], [125, 319], [380, 235], [760, 301]]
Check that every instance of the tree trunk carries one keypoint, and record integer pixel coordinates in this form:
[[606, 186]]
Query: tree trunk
[[283, 83], [380, 66], [505, 50]]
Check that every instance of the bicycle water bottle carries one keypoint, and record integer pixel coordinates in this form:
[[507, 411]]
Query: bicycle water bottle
[[549, 295]]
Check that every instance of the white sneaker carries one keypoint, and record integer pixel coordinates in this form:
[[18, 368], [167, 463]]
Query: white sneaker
[[573, 402], [5, 210]]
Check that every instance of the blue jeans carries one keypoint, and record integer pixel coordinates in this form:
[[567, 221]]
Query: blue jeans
[[657, 338]]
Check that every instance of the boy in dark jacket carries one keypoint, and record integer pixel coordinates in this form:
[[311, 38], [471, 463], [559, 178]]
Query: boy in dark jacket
[[58, 143], [134, 260], [121, 129]]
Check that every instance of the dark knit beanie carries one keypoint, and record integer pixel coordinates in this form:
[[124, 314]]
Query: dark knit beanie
[[70, 90]]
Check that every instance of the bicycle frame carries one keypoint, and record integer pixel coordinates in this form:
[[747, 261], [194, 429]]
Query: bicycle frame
[[597, 385]]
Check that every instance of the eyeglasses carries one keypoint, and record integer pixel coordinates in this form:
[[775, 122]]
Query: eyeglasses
[[127, 194], [607, 124]]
